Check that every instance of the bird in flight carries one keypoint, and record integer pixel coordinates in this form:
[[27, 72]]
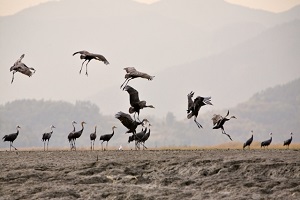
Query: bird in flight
[[132, 73], [87, 56], [195, 105], [21, 67]]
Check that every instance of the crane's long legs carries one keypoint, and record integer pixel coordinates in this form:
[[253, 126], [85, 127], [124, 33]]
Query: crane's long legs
[[106, 144], [198, 124], [102, 145], [11, 145], [91, 145], [223, 131], [47, 145], [74, 146], [144, 147], [86, 73], [71, 145], [82, 66], [128, 79], [12, 80]]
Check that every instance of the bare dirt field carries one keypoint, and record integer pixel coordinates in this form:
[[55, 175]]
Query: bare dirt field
[[151, 174]]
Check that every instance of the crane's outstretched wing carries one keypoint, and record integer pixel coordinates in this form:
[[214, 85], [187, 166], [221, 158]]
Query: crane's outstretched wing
[[216, 119], [99, 57], [198, 102], [129, 69], [133, 95], [125, 119], [20, 59], [190, 102], [227, 114], [17, 63], [22, 68], [82, 52], [134, 73]]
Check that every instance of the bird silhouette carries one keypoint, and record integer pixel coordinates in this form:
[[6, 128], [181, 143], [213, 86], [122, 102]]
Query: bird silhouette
[[248, 142], [266, 143], [194, 106], [128, 122], [136, 104], [47, 136], [93, 137], [70, 136], [137, 138], [107, 137], [218, 122], [87, 56], [77, 134], [288, 141], [11, 138], [132, 73], [21, 67], [145, 137]]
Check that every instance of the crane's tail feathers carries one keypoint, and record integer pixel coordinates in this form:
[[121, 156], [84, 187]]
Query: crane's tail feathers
[[207, 100]]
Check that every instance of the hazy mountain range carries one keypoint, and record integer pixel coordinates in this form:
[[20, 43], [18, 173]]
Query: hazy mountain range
[[212, 47], [273, 110]]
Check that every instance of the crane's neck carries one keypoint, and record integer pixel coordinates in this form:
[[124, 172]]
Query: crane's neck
[[17, 131], [95, 129], [73, 126], [113, 130], [82, 127]]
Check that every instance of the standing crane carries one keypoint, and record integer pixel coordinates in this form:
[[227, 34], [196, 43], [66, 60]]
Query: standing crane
[[70, 136], [107, 137], [249, 141], [77, 134], [93, 137], [11, 138], [288, 141], [194, 106], [21, 67], [136, 104], [219, 121], [266, 143], [128, 122], [87, 56], [132, 73], [47, 136], [145, 137], [137, 138]]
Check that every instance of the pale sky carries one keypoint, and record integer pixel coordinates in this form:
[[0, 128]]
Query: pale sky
[[10, 7]]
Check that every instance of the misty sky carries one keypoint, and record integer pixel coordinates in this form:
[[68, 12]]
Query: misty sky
[[187, 39], [9, 7]]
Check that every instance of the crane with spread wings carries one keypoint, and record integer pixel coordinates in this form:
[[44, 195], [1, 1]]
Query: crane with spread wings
[[87, 56], [219, 121], [132, 73], [22, 68]]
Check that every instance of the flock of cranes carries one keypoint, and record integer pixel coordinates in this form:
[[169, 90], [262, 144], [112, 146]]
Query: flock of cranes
[[140, 138], [136, 105]]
